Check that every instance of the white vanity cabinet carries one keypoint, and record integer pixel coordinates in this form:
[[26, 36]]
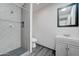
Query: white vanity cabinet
[[61, 49], [67, 47], [73, 50]]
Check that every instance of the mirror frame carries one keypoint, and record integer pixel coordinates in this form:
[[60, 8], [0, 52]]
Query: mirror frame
[[76, 16]]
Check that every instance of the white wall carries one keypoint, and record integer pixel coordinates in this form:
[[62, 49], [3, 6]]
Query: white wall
[[44, 26]]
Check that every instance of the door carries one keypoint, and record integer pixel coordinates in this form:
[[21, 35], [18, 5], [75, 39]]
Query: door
[[61, 49], [73, 50]]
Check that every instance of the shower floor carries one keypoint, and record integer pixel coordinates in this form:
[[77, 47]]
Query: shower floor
[[16, 52]]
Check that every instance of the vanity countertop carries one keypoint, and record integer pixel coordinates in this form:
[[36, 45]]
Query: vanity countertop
[[61, 36], [69, 40]]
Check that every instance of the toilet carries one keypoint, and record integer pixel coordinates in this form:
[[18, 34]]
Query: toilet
[[34, 40]]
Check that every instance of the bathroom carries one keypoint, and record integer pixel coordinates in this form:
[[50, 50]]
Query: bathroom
[[34, 29], [49, 32]]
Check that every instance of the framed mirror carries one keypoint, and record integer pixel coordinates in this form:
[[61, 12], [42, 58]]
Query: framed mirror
[[68, 16]]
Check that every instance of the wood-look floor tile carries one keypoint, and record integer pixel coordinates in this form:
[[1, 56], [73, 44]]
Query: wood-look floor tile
[[49, 53], [34, 53], [41, 51]]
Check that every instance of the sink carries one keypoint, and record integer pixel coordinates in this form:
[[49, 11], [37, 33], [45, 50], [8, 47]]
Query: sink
[[62, 36], [66, 37]]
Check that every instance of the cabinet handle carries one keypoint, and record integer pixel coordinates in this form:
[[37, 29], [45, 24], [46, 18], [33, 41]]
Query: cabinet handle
[[67, 48]]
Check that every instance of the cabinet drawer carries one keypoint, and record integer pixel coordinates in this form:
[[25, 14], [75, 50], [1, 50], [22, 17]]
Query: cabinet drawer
[[61, 40], [74, 42]]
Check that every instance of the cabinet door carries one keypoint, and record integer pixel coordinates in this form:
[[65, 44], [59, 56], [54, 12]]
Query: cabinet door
[[73, 50], [61, 49]]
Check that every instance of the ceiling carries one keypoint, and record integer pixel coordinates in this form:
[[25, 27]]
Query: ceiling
[[19, 4], [36, 6], [39, 6]]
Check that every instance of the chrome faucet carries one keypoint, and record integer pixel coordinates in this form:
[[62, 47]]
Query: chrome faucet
[[67, 35]]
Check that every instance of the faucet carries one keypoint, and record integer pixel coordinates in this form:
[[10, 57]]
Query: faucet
[[67, 35]]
